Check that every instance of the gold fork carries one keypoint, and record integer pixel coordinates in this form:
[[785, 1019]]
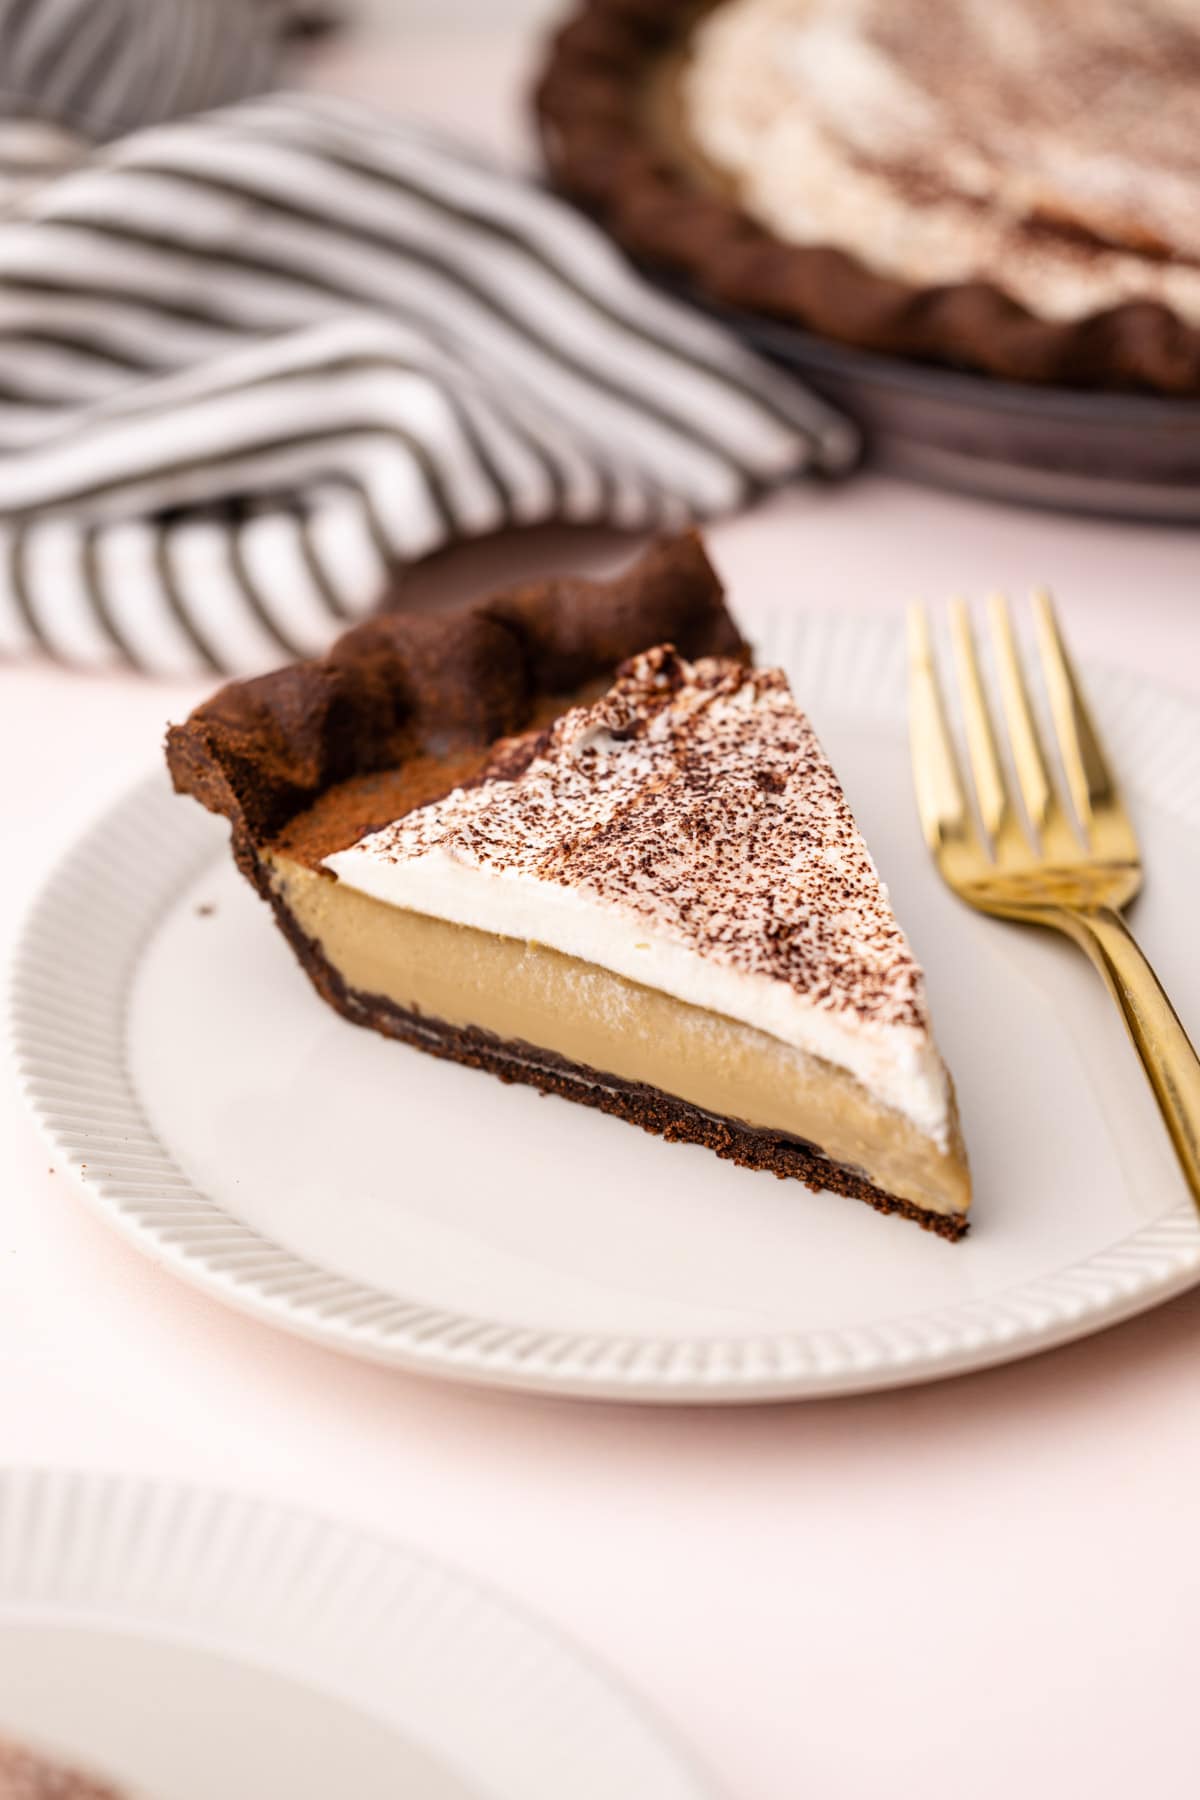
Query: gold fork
[[1071, 870]]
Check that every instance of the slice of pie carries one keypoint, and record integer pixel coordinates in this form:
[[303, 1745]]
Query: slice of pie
[[520, 838]]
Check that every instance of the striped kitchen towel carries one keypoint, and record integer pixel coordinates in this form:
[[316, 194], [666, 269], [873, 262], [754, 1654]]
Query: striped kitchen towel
[[104, 67], [254, 361]]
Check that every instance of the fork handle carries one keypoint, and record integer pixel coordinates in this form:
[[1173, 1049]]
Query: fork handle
[[1168, 1057]]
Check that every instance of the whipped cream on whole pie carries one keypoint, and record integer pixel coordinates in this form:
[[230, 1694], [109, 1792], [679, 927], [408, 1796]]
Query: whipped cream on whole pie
[[1051, 149], [685, 832]]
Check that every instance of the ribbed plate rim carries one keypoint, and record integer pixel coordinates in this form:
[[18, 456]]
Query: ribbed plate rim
[[340, 1608]]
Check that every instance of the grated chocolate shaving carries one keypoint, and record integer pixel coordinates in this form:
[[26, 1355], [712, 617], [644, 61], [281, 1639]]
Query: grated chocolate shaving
[[696, 798]]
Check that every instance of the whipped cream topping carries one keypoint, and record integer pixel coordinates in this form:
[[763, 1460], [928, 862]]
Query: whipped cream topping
[[1054, 150], [687, 832]]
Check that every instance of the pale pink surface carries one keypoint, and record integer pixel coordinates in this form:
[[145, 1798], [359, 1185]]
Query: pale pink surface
[[985, 1588]]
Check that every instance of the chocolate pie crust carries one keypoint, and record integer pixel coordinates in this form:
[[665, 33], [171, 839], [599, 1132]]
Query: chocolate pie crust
[[407, 706], [307, 760], [603, 111]]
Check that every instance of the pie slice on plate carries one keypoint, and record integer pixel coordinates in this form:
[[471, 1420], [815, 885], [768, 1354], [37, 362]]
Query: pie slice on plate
[[569, 836]]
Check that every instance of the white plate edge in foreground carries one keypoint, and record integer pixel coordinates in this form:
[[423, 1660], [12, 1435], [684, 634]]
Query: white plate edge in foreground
[[424, 1648]]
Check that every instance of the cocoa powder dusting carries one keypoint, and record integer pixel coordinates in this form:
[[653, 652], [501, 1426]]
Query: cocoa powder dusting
[[696, 798]]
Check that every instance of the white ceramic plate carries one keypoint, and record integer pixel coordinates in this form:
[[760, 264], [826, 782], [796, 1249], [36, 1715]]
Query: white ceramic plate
[[393, 1205], [135, 1617]]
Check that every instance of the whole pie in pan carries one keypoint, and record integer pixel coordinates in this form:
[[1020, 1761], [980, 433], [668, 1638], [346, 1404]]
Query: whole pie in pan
[[571, 837], [1008, 188]]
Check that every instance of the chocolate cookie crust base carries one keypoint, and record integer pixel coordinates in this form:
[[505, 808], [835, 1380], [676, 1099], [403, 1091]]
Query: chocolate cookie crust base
[[635, 1102], [414, 693], [604, 148]]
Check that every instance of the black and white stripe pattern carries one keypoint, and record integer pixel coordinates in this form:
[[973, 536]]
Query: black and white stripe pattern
[[253, 362], [103, 67]]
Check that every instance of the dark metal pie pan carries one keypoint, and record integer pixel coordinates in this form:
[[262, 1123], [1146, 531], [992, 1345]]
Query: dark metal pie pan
[[1132, 455]]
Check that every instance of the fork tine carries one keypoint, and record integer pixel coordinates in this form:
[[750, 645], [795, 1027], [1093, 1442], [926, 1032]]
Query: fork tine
[[1056, 838], [1000, 821], [941, 804], [1092, 785]]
